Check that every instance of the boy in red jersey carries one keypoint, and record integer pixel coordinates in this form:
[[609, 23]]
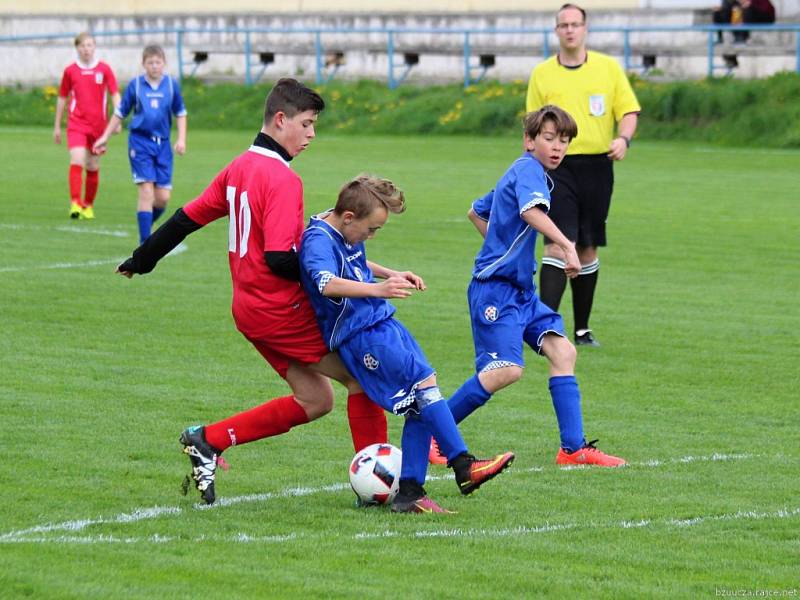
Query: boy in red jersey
[[85, 84], [263, 200]]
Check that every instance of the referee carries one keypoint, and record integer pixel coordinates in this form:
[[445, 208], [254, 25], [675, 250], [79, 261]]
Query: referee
[[593, 88]]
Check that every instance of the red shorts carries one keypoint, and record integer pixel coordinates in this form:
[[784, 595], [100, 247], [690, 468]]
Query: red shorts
[[80, 139], [298, 340]]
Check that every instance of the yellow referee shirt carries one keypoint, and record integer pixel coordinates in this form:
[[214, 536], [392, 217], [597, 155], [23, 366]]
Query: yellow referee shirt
[[597, 95]]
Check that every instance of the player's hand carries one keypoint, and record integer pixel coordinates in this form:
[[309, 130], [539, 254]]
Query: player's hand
[[394, 287], [617, 149], [126, 268], [57, 135], [572, 264], [413, 279], [180, 147], [99, 147], [117, 129]]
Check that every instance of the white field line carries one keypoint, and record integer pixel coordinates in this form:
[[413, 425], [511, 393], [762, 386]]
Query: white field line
[[68, 229], [33, 534]]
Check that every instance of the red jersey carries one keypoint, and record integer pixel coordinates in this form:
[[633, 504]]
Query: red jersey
[[263, 199], [85, 87]]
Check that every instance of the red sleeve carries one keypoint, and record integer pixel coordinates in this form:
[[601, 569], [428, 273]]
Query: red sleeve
[[66, 84], [111, 80], [212, 204], [283, 218]]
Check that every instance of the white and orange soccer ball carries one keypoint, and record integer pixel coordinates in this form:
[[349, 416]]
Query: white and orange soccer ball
[[375, 473]]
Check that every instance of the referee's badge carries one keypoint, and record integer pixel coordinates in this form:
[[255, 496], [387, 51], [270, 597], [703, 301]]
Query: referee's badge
[[370, 362], [597, 105], [491, 313]]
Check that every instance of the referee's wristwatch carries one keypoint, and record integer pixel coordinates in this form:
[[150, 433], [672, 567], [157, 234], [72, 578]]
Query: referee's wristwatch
[[627, 140]]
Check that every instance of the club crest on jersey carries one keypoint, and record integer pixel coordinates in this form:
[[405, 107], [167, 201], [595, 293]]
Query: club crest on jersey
[[370, 362], [98, 78], [597, 105], [357, 272], [153, 102], [491, 313]]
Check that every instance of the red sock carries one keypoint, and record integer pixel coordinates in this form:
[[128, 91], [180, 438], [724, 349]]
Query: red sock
[[367, 421], [271, 418], [75, 175], [92, 181]]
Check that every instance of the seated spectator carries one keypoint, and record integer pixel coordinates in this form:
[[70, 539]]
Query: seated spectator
[[735, 12]]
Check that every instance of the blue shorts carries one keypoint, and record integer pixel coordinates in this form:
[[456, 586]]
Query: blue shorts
[[151, 160], [503, 317], [388, 363]]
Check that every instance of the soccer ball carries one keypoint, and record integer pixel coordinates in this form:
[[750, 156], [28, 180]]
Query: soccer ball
[[375, 473]]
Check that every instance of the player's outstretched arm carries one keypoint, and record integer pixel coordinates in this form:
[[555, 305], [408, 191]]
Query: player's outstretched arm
[[158, 245], [393, 287], [114, 125], [539, 220], [385, 273]]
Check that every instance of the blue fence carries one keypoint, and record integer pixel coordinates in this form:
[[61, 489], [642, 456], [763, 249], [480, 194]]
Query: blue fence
[[398, 70]]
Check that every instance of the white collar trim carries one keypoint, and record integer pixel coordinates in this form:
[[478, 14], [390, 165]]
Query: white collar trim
[[268, 153]]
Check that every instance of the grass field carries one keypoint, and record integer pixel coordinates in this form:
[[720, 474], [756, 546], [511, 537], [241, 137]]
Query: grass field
[[696, 385]]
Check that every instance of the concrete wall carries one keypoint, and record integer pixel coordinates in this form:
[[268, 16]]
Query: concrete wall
[[40, 62]]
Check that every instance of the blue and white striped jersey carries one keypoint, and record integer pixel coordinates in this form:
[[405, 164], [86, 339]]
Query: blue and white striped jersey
[[508, 250], [325, 254], [152, 107]]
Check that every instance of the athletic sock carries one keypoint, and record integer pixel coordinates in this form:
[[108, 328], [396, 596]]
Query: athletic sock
[[467, 399], [145, 220], [552, 281], [367, 421], [269, 419], [583, 287], [157, 212], [75, 183], [415, 441], [439, 421], [567, 404], [92, 181]]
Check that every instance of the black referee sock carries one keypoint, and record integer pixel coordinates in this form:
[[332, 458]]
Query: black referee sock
[[552, 282], [583, 287]]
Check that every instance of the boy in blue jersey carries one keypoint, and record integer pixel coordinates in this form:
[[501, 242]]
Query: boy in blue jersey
[[357, 321], [153, 97], [504, 307]]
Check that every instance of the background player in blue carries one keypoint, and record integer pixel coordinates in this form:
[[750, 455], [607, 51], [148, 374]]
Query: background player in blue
[[153, 97], [504, 307], [356, 320]]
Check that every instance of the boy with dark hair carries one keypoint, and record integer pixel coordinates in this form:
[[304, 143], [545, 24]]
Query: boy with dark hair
[[358, 323], [504, 307], [263, 199], [153, 97], [85, 83]]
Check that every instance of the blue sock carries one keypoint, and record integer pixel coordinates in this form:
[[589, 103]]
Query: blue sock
[[439, 422], [145, 219], [157, 212], [415, 442], [468, 398], [567, 403]]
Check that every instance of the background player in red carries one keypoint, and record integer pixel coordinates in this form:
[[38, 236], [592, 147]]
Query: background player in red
[[263, 200], [85, 85]]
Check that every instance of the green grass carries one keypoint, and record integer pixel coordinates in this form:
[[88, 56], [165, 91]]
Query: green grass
[[696, 384]]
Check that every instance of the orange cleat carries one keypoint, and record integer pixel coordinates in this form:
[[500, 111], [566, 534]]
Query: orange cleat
[[472, 473], [420, 505], [588, 455], [435, 456]]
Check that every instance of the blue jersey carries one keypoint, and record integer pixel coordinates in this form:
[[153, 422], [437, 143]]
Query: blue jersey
[[325, 254], [508, 250], [152, 107]]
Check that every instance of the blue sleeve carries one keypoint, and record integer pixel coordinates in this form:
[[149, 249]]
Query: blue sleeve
[[128, 101], [483, 205], [178, 107], [319, 261], [531, 188]]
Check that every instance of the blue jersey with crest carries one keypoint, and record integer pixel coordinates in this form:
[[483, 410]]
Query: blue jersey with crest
[[325, 254], [152, 107], [508, 250]]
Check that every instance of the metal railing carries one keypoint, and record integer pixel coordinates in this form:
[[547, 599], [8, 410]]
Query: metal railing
[[397, 71]]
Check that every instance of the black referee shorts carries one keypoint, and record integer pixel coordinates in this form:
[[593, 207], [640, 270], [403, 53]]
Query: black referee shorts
[[581, 198]]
